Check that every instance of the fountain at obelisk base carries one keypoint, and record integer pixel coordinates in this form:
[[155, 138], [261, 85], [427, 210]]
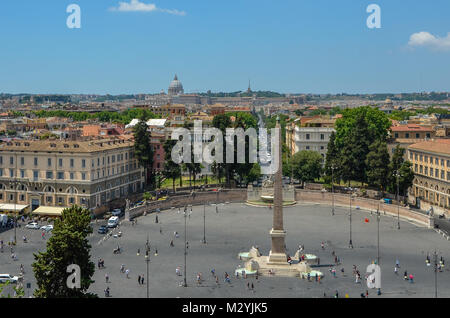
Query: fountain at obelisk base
[[277, 262]]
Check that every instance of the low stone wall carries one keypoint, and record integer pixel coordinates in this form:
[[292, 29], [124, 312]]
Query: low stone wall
[[234, 195], [306, 196], [366, 204]]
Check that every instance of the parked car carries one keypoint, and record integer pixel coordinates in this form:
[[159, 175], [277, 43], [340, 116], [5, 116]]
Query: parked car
[[32, 226], [102, 230], [117, 212], [47, 228], [8, 278]]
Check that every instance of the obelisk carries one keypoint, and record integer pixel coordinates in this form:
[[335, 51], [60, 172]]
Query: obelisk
[[278, 252]]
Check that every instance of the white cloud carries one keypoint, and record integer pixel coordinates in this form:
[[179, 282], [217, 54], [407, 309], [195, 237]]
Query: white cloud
[[426, 39], [137, 6]]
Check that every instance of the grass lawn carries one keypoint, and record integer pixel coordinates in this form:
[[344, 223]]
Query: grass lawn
[[167, 184]]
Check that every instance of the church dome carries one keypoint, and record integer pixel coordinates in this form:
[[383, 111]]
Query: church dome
[[176, 87]]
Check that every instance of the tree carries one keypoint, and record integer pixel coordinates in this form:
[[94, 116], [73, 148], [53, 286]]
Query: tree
[[377, 163], [68, 245], [223, 122], [254, 174], [332, 158], [142, 147], [18, 290], [355, 131], [398, 163], [171, 169], [307, 165]]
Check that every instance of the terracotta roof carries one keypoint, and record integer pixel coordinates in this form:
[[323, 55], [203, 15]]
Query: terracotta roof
[[64, 146], [411, 127], [439, 146]]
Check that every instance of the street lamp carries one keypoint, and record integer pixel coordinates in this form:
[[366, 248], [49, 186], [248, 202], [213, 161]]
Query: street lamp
[[332, 187], [204, 223], [378, 234], [397, 174], [350, 244], [435, 259], [185, 246], [147, 260]]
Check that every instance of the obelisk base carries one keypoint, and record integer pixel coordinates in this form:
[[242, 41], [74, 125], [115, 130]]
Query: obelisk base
[[277, 255]]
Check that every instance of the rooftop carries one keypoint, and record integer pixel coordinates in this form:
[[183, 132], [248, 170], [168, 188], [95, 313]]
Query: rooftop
[[411, 127], [438, 146], [64, 145]]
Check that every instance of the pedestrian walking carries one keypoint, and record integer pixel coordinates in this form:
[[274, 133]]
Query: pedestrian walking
[[142, 280], [127, 272], [171, 244], [139, 279], [107, 278]]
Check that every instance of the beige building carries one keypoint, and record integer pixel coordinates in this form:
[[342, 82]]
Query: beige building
[[62, 173], [431, 165]]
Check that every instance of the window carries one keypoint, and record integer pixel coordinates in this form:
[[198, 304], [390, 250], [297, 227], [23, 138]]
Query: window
[[442, 163], [428, 135], [1, 160], [60, 175], [407, 135], [11, 173], [49, 175], [72, 200], [35, 161], [1, 172], [396, 135], [11, 160], [22, 174], [443, 174], [22, 161], [322, 137], [60, 163], [35, 175], [431, 172], [83, 163], [436, 173], [72, 176], [98, 161], [72, 163], [308, 136], [417, 136], [426, 171], [83, 176], [421, 169], [22, 198], [49, 199], [437, 161], [49, 162]]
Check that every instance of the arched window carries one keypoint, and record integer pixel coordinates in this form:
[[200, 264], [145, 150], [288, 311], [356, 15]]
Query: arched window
[[49, 189], [72, 190]]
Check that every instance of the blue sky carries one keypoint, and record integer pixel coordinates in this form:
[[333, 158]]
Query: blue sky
[[290, 46]]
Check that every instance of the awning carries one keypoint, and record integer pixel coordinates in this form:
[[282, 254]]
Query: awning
[[8, 207], [49, 211]]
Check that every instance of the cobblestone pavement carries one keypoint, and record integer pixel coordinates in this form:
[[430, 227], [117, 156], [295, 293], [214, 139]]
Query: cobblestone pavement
[[235, 229]]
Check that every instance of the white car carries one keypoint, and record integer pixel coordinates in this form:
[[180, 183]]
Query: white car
[[117, 212], [47, 228], [8, 278], [33, 226]]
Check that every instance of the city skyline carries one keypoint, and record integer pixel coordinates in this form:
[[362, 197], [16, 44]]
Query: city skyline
[[136, 47]]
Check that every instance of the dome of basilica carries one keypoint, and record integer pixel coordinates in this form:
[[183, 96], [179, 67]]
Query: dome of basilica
[[176, 87]]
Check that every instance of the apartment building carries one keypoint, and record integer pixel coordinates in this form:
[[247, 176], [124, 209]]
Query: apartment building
[[431, 165], [408, 134], [313, 135], [62, 173]]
